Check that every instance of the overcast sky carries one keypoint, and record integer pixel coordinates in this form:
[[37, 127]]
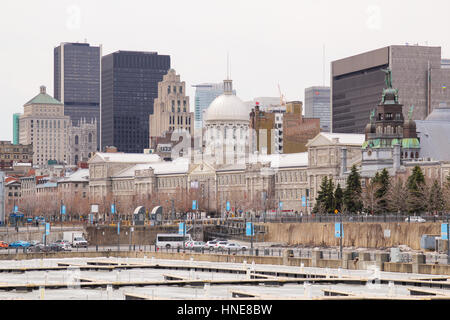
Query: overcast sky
[[269, 42]]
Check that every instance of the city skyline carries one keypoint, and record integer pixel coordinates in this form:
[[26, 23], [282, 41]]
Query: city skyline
[[266, 44]]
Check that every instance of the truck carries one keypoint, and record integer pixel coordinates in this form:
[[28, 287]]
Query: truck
[[76, 239]]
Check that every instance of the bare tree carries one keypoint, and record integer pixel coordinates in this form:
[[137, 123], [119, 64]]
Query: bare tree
[[369, 196], [397, 196]]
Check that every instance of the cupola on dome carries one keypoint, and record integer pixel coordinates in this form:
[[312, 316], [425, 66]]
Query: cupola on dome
[[227, 107]]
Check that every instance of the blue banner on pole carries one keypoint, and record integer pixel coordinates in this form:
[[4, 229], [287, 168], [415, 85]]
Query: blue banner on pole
[[47, 228], [194, 205], [228, 206], [303, 201], [16, 208], [444, 234], [181, 228], [118, 227], [337, 230], [280, 205], [63, 209], [113, 208], [249, 230]]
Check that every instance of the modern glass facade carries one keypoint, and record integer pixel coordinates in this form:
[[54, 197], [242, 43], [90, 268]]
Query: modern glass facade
[[205, 93], [354, 96], [16, 121], [129, 87], [317, 105], [77, 80]]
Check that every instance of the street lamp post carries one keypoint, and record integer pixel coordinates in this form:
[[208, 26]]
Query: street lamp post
[[340, 235], [184, 232], [251, 232], [448, 242]]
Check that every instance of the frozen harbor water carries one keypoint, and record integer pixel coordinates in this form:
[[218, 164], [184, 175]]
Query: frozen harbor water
[[71, 277]]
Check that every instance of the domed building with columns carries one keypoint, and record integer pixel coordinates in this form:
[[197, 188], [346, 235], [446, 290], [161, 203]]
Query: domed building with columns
[[226, 135]]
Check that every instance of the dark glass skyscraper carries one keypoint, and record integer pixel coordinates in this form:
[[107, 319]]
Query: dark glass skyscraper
[[129, 87], [77, 80]]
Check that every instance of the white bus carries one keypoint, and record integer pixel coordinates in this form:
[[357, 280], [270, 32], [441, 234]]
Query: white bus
[[171, 240]]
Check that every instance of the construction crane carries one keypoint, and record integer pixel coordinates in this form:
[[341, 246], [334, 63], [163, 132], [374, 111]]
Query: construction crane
[[282, 98]]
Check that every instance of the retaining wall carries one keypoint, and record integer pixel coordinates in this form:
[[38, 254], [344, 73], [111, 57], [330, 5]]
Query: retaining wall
[[356, 234]]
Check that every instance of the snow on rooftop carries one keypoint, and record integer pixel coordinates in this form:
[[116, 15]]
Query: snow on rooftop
[[345, 138], [127, 157], [179, 165], [47, 185], [81, 175], [281, 160]]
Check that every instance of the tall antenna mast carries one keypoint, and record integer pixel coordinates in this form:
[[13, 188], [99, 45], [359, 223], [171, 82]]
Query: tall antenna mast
[[228, 66]]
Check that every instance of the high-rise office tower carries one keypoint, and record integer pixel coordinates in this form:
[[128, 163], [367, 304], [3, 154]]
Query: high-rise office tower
[[129, 88], [205, 93], [418, 72], [77, 81], [317, 105]]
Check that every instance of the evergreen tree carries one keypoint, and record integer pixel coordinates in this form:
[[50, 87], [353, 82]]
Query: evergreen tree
[[415, 185], [330, 196], [446, 193], [320, 206], [352, 193], [325, 197], [338, 197], [383, 182]]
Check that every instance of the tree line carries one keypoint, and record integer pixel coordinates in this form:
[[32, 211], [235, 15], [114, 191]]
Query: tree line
[[384, 194]]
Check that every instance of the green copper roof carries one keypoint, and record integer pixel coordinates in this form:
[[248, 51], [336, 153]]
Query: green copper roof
[[43, 98], [410, 143], [396, 141]]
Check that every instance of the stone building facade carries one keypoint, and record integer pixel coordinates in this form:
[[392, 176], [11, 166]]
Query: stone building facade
[[52, 135], [14, 153], [44, 125], [82, 141], [171, 109], [257, 185]]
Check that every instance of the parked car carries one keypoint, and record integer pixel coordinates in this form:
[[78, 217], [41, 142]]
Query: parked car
[[40, 247], [211, 244], [62, 241], [34, 243], [415, 219], [63, 244], [55, 247], [79, 242], [19, 244], [234, 246], [41, 220], [195, 244], [3, 244], [221, 244]]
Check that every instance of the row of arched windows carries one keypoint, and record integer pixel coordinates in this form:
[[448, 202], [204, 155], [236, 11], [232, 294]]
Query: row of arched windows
[[89, 138]]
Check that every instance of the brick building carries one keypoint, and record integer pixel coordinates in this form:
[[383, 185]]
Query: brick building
[[283, 131], [10, 154]]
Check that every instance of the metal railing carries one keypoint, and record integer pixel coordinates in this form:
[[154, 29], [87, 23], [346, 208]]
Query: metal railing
[[304, 253]]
